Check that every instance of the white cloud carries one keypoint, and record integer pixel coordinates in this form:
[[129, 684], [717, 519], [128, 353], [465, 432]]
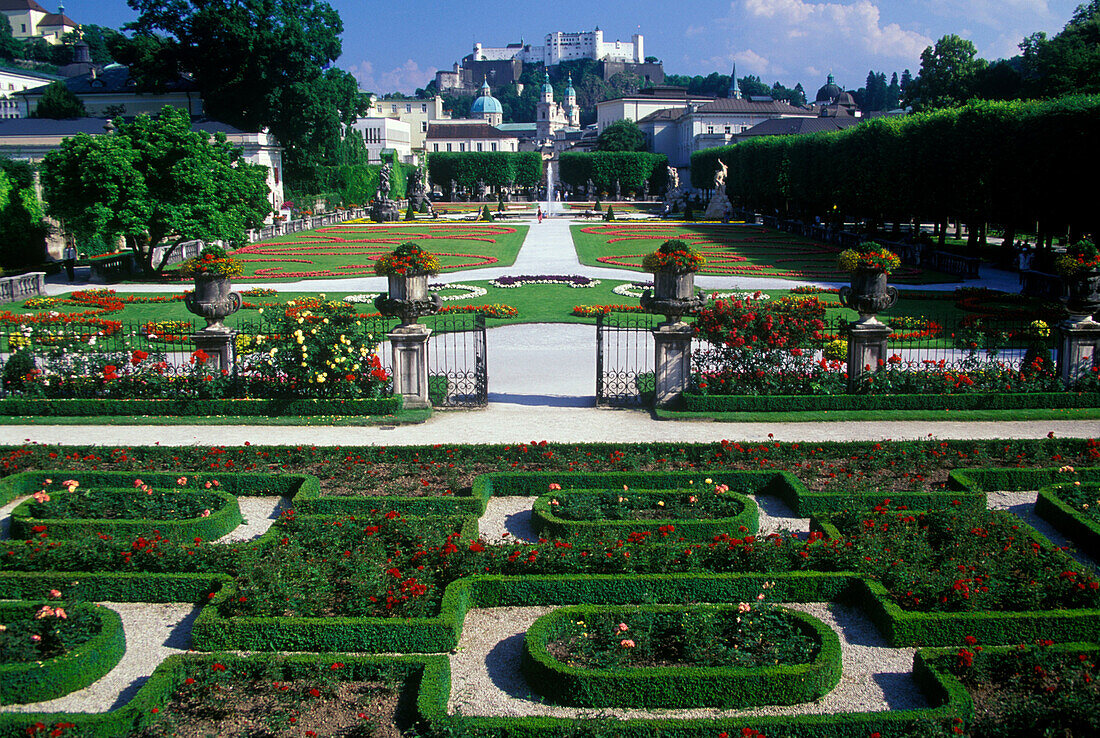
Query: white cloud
[[858, 24], [404, 78]]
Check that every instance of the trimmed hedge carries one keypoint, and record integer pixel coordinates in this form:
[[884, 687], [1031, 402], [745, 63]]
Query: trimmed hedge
[[677, 686], [495, 168], [38, 681], [218, 523], [187, 407], [697, 403], [692, 529], [1082, 530]]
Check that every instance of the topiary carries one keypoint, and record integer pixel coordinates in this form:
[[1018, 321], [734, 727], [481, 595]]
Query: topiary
[[425, 207], [597, 207], [610, 213], [410, 212], [689, 214], [485, 214]]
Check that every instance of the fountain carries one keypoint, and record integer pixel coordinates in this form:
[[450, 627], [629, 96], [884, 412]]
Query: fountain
[[551, 185]]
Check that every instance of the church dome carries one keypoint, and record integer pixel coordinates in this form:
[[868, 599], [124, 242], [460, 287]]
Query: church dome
[[830, 92], [547, 88], [486, 104], [569, 89]]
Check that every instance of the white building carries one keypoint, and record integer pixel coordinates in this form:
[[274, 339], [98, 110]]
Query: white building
[[551, 116], [13, 81], [645, 101], [417, 113], [30, 20], [385, 133], [560, 46], [468, 135], [30, 139], [111, 89]]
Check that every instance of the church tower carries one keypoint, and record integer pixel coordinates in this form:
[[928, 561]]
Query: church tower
[[572, 110]]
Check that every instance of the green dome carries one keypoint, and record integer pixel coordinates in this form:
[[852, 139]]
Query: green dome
[[486, 104], [547, 88], [569, 89]]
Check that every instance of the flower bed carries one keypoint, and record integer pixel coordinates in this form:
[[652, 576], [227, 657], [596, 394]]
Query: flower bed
[[141, 509], [667, 656], [569, 280], [49, 649], [685, 514], [1074, 509]]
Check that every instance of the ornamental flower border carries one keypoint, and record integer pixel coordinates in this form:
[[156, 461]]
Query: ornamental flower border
[[570, 280]]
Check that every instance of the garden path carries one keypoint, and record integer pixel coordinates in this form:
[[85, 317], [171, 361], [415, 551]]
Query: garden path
[[486, 678], [548, 249]]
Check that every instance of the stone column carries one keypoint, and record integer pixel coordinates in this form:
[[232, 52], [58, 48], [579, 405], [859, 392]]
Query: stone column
[[866, 348], [1078, 348], [220, 345], [672, 366], [410, 364]]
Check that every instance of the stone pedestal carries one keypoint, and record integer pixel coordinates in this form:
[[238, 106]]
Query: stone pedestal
[[672, 363], [1078, 348], [410, 364], [866, 348], [719, 207], [220, 345]]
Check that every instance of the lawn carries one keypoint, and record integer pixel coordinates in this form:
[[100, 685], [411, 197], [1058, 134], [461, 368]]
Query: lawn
[[734, 249], [350, 249]]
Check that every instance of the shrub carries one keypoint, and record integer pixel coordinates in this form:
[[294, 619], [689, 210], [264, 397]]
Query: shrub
[[610, 213]]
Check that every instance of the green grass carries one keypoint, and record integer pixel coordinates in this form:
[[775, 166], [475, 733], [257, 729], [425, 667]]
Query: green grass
[[350, 249], [731, 250], [536, 303], [818, 416]]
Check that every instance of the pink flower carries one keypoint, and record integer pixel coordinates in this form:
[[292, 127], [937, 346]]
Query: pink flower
[[626, 643], [138, 482], [41, 496], [55, 594], [181, 481], [204, 514], [554, 485], [60, 613], [36, 638], [623, 627], [207, 485]]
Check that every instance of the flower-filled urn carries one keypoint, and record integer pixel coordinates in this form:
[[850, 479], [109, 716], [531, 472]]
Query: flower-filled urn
[[407, 269], [673, 266], [213, 297]]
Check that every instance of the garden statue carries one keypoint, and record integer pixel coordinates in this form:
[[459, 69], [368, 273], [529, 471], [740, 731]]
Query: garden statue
[[481, 190], [590, 189], [719, 207], [618, 191], [673, 197], [384, 181], [415, 187], [454, 191], [645, 190], [384, 210]]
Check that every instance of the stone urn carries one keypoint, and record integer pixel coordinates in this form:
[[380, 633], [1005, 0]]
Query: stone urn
[[868, 294], [213, 299], [1084, 293], [673, 295], [408, 298]]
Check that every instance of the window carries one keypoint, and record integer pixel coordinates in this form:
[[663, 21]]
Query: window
[[423, 126], [275, 171], [462, 146], [493, 145], [394, 107], [408, 107], [448, 147], [710, 129], [435, 147], [479, 145], [727, 129], [424, 107]]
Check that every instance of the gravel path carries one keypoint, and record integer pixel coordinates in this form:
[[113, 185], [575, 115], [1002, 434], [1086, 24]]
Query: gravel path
[[259, 513], [1022, 505], [153, 633], [486, 680]]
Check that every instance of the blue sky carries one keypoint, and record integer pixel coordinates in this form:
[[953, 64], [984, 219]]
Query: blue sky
[[399, 45]]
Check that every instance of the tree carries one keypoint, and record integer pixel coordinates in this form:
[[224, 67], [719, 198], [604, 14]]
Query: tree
[[622, 135], [154, 182], [259, 63], [10, 46], [893, 93], [947, 73], [58, 102], [22, 230], [751, 86], [1069, 63]]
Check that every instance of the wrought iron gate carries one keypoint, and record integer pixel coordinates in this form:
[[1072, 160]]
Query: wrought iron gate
[[458, 373], [624, 359]]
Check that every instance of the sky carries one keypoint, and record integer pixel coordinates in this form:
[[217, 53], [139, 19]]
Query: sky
[[397, 46]]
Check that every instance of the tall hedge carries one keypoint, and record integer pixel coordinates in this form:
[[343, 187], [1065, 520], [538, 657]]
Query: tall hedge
[[495, 168], [358, 183], [630, 168], [1014, 163]]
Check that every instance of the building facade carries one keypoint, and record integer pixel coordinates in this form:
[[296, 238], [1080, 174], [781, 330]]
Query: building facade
[[560, 46], [467, 135], [30, 20], [416, 113], [385, 134], [552, 116], [12, 82], [112, 91]]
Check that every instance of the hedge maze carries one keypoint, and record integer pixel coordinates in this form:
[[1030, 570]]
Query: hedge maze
[[653, 556]]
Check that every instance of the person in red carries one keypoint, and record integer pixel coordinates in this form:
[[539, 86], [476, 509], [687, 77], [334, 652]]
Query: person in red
[[540, 213]]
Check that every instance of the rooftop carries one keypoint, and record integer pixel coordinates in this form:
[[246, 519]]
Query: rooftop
[[465, 129], [798, 126], [735, 105]]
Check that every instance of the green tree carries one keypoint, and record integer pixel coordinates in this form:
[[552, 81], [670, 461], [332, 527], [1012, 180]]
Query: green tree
[[751, 86], [1069, 62], [10, 47], [622, 135], [947, 73], [260, 63], [22, 230], [59, 102], [893, 93], [154, 182]]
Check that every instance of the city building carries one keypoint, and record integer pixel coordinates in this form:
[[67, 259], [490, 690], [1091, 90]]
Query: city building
[[643, 102], [552, 116], [14, 81], [30, 139], [111, 91], [30, 20], [417, 113], [487, 107], [468, 135], [385, 134]]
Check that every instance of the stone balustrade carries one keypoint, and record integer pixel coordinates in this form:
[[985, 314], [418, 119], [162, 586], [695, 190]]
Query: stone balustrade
[[22, 286]]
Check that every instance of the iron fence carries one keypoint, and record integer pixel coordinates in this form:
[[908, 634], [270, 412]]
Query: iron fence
[[75, 352], [624, 359]]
